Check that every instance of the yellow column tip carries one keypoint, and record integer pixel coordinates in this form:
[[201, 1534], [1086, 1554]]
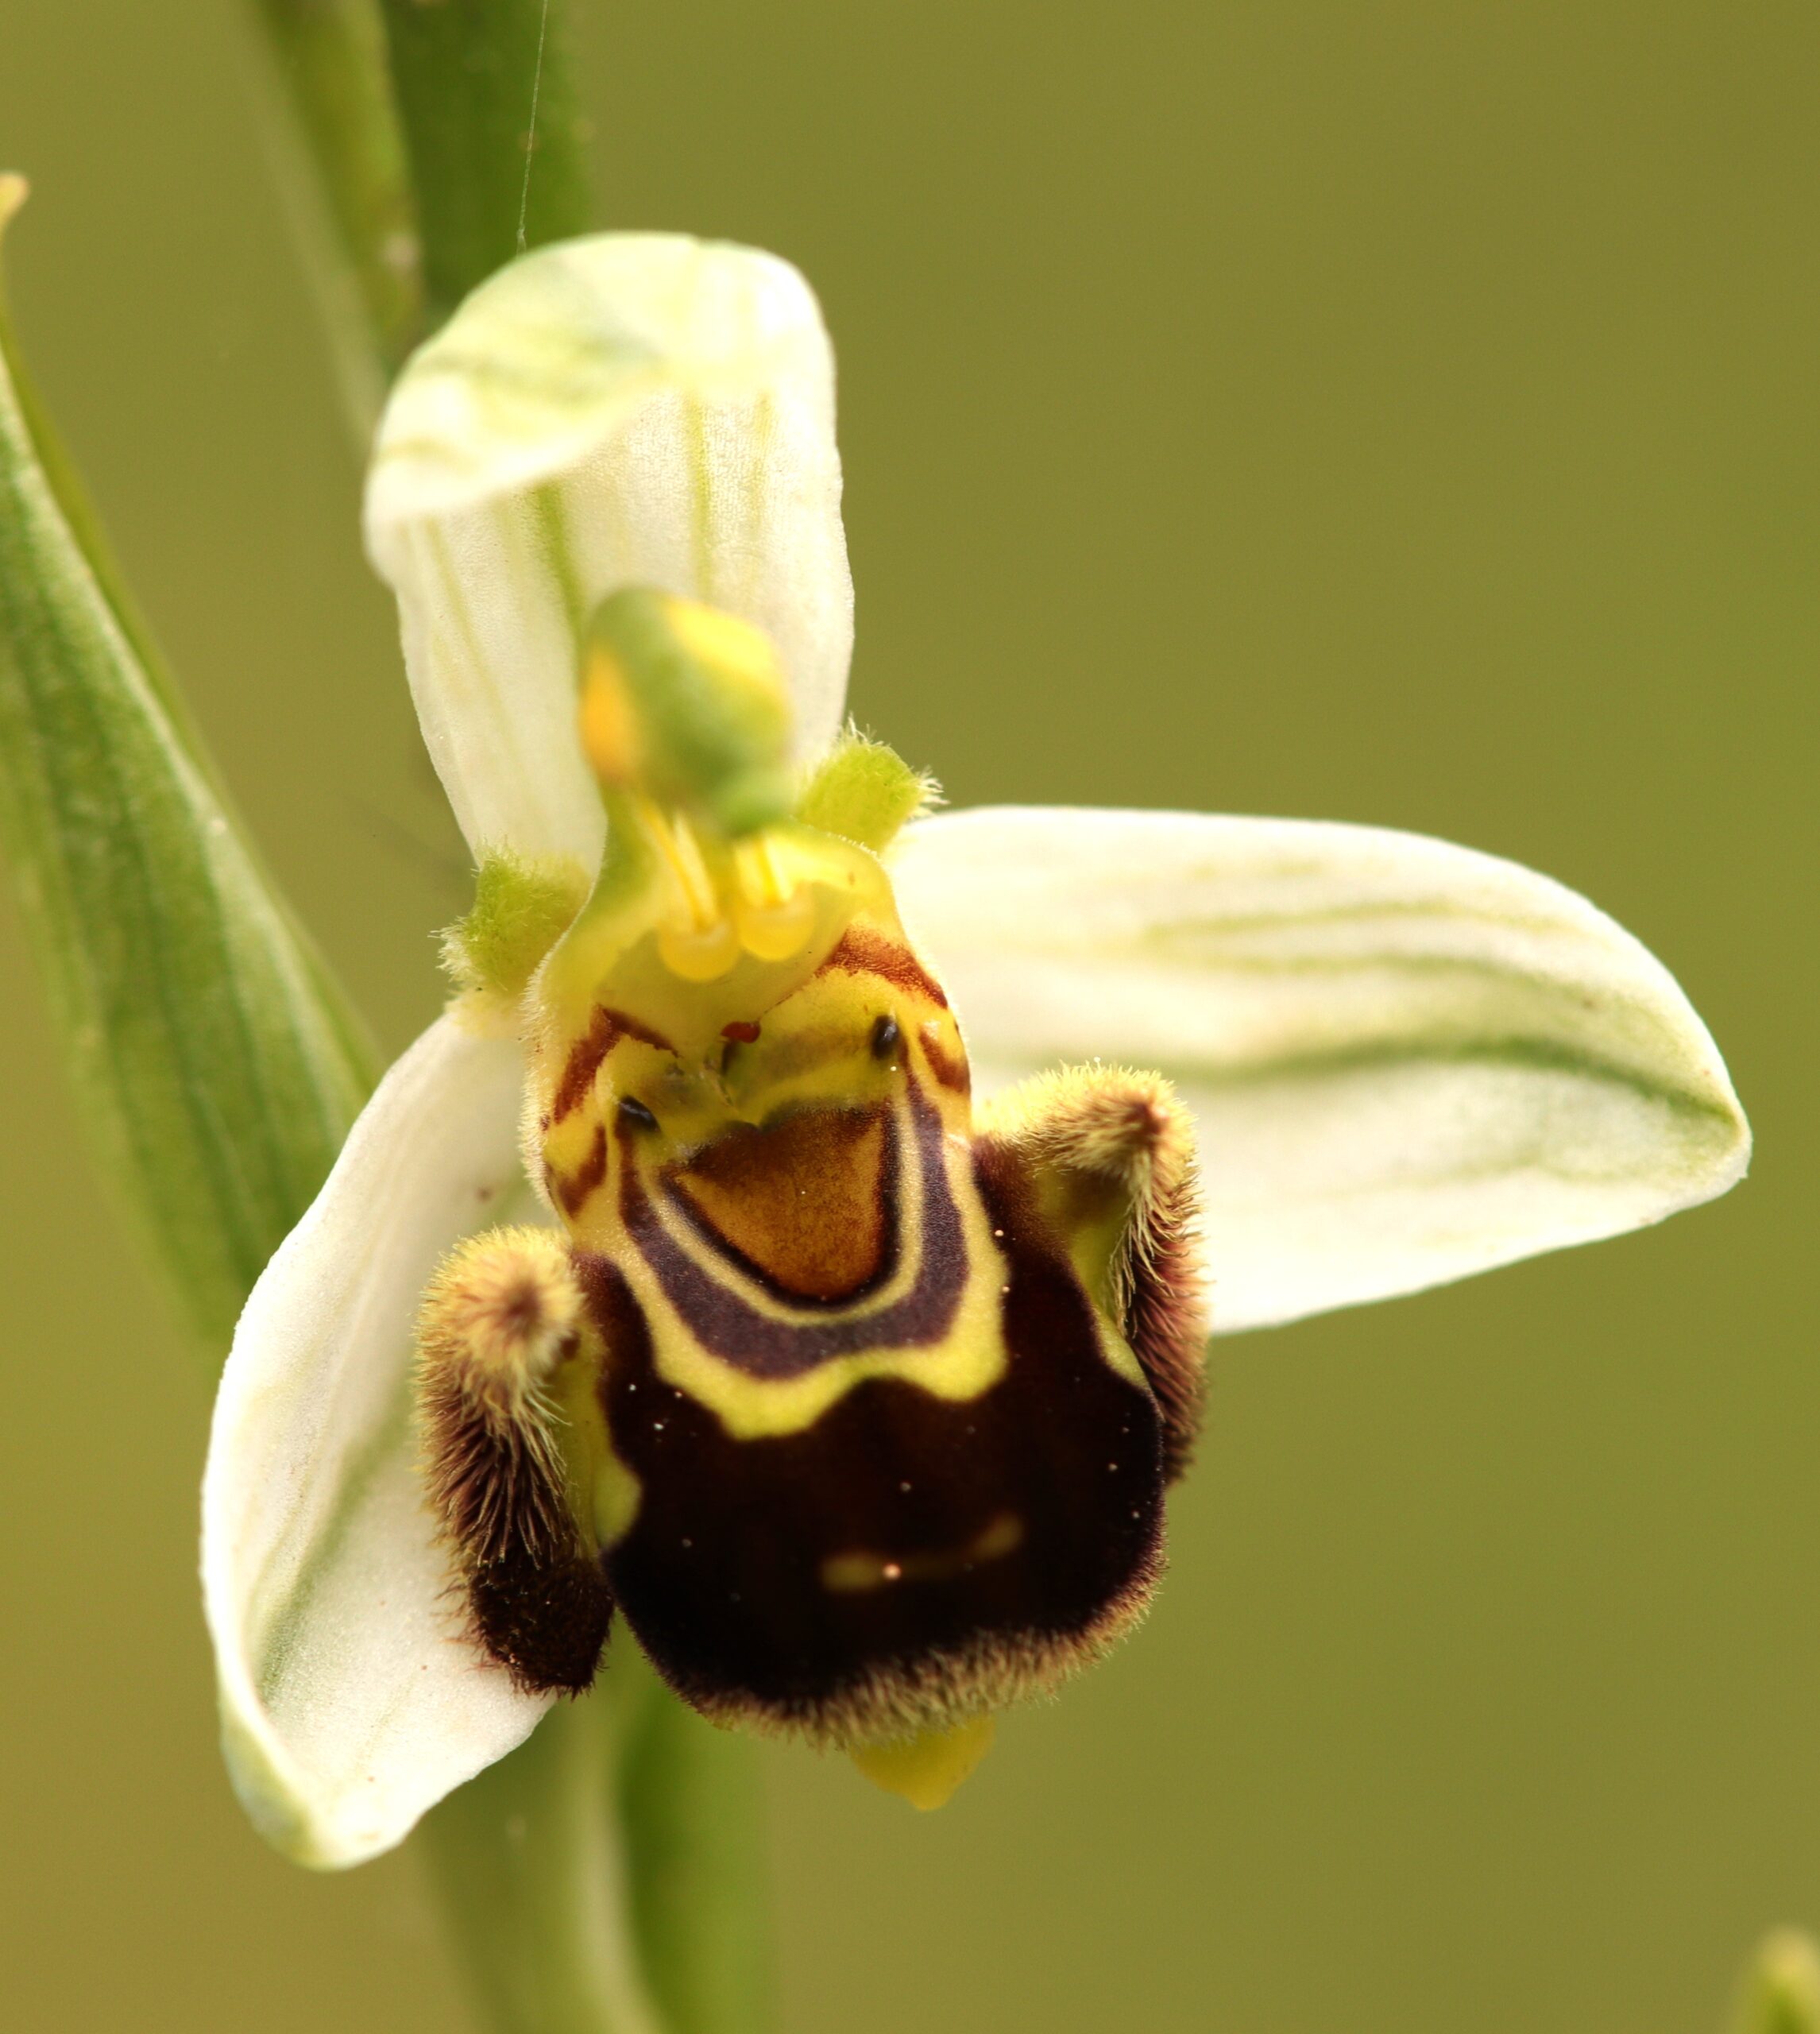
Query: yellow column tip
[[927, 1770]]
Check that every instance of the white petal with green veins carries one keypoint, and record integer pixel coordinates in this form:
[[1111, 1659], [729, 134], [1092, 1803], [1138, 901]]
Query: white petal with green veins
[[350, 1700], [633, 409], [1410, 1061]]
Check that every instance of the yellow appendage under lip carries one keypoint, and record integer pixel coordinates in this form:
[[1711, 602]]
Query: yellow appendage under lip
[[928, 1770]]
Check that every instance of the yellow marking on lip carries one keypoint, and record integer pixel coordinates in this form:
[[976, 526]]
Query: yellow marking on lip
[[857, 1572], [965, 1364]]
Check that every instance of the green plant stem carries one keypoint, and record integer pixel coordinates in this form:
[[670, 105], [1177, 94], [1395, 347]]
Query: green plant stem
[[217, 1068], [341, 162], [602, 1879], [536, 1887], [690, 1799], [497, 147]]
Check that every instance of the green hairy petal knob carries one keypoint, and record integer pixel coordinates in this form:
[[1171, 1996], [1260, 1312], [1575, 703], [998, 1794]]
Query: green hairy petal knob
[[865, 793], [523, 905]]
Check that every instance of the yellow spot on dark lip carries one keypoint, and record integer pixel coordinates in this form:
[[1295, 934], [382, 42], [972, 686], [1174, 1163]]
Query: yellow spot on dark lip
[[858, 1570]]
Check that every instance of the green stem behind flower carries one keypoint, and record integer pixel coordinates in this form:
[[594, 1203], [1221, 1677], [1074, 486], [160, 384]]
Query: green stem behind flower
[[348, 182], [486, 93], [563, 1931], [691, 1803]]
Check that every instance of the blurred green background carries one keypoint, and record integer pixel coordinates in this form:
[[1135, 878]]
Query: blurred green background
[[1399, 412]]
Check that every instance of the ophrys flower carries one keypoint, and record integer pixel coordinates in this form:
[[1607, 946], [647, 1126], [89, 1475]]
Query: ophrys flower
[[851, 1369]]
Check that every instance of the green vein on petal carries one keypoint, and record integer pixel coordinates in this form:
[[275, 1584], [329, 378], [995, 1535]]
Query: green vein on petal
[[1409, 1061]]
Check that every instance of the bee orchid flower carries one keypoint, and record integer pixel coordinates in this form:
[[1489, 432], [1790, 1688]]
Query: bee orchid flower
[[797, 1240]]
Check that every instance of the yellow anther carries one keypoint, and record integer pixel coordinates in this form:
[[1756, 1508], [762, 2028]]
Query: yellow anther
[[776, 917], [761, 882], [609, 727], [696, 940], [690, 867], [699, 956]]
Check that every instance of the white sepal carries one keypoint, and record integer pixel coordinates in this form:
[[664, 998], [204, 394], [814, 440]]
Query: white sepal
[[1409, 1061], [350, 1700], [632, 409]]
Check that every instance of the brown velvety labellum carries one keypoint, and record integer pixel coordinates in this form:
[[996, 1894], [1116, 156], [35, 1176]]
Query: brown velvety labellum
[[903, 1558]]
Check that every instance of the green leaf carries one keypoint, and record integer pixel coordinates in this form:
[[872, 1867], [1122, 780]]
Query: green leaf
[[217, 1067], [486, 92]]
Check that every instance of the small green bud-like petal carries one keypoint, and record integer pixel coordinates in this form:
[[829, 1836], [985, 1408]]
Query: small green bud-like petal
[[523, 905], [865, 792], [1781, 1990]]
